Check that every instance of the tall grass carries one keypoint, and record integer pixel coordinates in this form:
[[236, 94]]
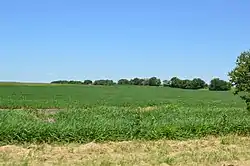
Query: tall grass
[[96, 113], [117, 123]]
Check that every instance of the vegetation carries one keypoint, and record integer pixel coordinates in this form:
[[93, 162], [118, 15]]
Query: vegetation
[[240, 77], [116, 113], [197, 83], [219, 85], [88, 82], [123, 82], [48, 113], [120, 123], [104, 82], [67, 96], [67, 82], [210, 151], [175, 82]]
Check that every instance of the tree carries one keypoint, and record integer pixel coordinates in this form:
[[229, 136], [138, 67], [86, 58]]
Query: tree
[[87, 82], [240, 77], [123, 82], [75, 82], [175, 82], [219, 85], [153, 81], [145, 82], [136, 81], [66, 82], [166, 83], [198, 83], [60, 82], [186, 84], [104, 82]]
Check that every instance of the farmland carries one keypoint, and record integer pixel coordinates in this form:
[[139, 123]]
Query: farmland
[[56, 114], [78, 96]]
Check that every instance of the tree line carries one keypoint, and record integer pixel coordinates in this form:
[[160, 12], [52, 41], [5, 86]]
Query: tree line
[[216, 84], [239, 79]]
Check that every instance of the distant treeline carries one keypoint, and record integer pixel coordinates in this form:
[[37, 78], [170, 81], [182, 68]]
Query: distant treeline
[[216, 84]]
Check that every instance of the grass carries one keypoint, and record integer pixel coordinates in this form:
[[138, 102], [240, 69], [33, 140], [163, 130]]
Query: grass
[[209, 151], [116, 113], [77, 96], [118, 124], [121, 125]]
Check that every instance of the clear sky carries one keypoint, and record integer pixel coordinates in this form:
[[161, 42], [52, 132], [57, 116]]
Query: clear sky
[[44, 40]]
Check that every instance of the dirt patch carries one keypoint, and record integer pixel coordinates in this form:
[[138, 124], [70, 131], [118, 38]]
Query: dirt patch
[[208, 152]]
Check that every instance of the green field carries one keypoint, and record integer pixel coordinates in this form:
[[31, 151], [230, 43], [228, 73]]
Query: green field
[[79, 96], [31, 113]]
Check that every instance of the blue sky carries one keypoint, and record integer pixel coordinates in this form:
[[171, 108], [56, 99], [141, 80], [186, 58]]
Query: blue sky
[[46, 40]]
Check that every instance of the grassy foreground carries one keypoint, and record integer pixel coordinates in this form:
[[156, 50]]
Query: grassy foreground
[[120, 123], [210, 151]]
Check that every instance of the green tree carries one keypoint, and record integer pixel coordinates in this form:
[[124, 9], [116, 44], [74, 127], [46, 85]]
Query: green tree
[[104, 82], [166, 83], [186, 84], [240, 77], [60, 82], [136, 81], [198, 83], [175, 82], [66, 82], [145, 82], [123, 82], [154, 81], [87, 82], [219, 85]]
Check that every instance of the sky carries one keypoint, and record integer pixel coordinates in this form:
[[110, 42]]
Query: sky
[[47, 40]]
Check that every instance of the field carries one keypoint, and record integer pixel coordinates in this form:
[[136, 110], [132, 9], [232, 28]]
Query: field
[[146, 121]]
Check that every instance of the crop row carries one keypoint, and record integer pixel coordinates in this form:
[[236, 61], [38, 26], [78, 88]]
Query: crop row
[[117, 123], [125, 96]]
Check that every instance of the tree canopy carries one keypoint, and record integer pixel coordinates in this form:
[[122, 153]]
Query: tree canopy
[[175, 82], [217, 84], [240, 77], [123, 82]]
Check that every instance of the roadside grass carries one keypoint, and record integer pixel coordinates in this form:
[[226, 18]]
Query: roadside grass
[[208, 151], [120, 123]]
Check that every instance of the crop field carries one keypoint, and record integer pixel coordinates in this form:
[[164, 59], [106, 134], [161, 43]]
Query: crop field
[[76, 114]]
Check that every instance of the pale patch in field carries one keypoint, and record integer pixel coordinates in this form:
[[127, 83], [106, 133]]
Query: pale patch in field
[[149, 108], [46, 110], [210, 151]]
